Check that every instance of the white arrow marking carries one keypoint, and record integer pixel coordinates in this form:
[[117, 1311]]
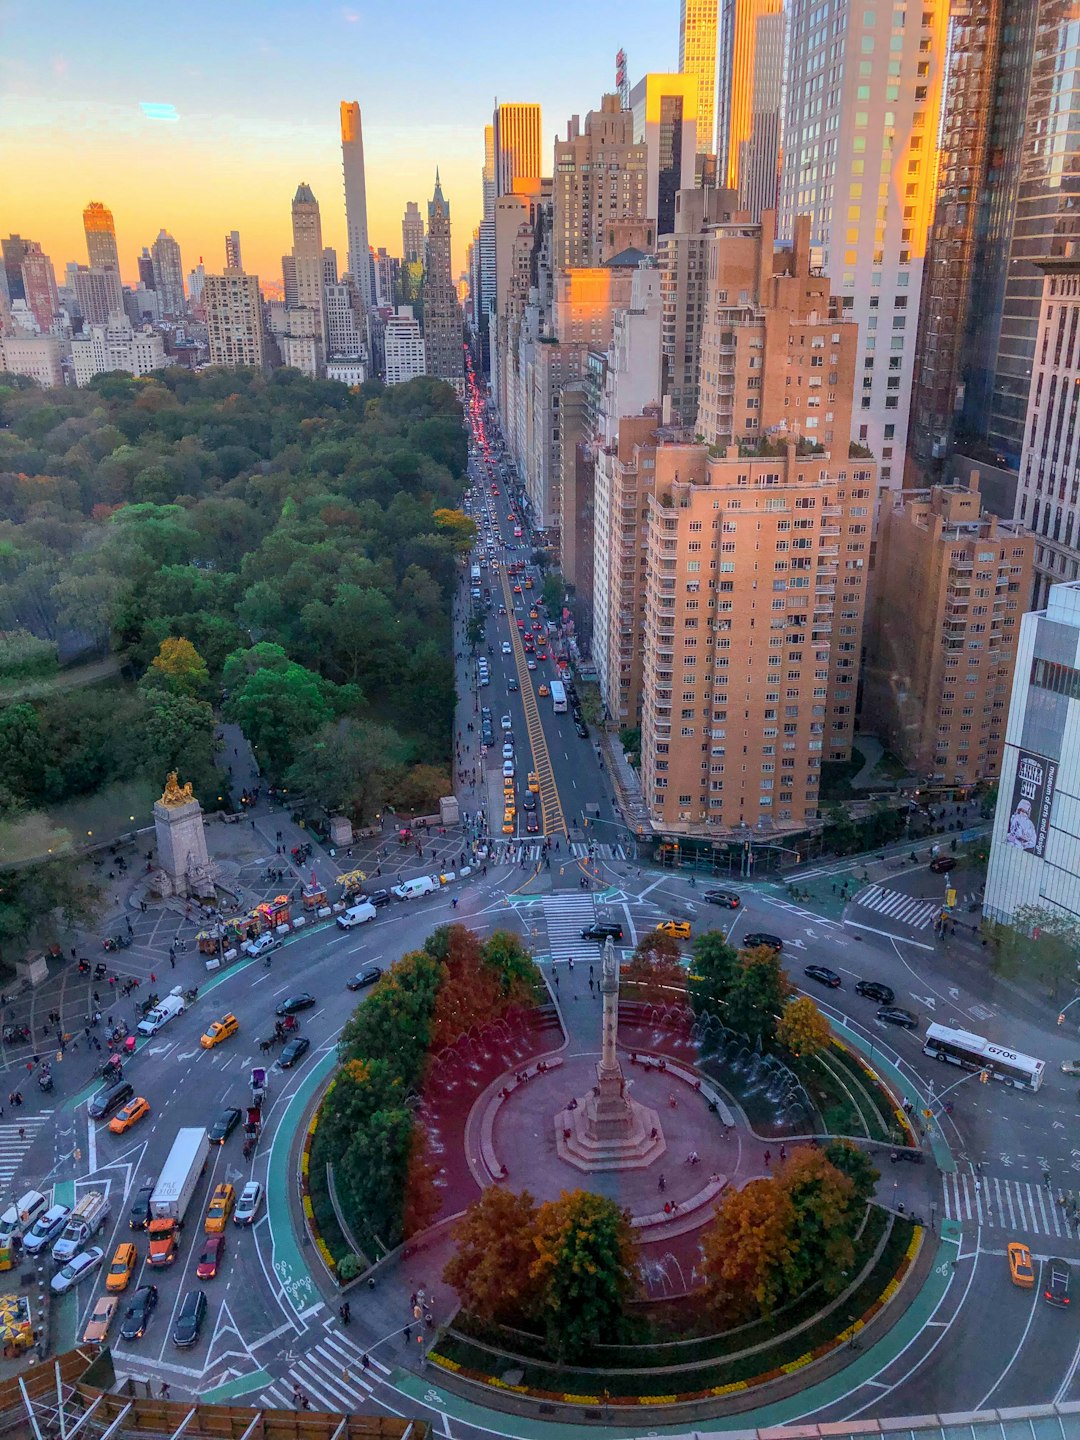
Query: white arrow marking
[[798, 944], [954, 993], [926, 1000], [184, 1054]]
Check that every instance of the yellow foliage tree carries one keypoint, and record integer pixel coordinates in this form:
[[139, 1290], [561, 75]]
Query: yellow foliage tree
[[179, 667], [802, 1027], [461, 528]]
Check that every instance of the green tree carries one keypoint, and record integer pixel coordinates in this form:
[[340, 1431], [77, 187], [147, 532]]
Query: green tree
[[826, 1216], [857, 1165], [276, 709], [554, 589], [346, 766], [36, 901], [492, 1265], [712, 971], [22, 757], [758, 993], [841, 834], [802, 1028], [585, 1269], [178, 734]]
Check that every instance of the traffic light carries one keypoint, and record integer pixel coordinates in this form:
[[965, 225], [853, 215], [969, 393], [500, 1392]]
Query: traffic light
[[1061, 1018], [984, 1076]]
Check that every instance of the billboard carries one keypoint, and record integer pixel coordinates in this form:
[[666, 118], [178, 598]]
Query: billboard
[[1032, 802]]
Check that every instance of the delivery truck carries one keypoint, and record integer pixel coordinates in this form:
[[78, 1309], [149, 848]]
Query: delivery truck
[[176, 1185]]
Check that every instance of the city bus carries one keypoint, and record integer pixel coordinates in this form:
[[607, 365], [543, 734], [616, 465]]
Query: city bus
[[973, 1052], [558, 697]]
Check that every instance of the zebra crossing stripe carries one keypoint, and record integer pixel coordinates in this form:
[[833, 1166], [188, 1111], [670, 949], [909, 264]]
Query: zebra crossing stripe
[[909, 909], [1018, 1204]]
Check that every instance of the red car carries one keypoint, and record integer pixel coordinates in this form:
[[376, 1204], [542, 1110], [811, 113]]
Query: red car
[[210, 1259]]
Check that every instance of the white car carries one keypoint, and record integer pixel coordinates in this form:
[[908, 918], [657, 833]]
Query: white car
[[508, 752], [77, 1268], [261, 945], [507, 723], [46, 1229], [507, 648], [249, 1204], [508, 769]]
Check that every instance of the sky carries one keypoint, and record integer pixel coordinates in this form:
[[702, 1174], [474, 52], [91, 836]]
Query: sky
[[85, 97]]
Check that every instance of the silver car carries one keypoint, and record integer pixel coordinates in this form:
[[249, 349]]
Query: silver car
[[77, 1268]]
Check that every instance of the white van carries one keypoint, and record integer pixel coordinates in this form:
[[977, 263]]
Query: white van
[[413, 889], [18, 1218], [83, 1224], [356, 915], [167, 1010]]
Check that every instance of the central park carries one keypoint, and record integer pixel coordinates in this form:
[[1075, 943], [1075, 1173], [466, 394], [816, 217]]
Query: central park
[[642, 1183]]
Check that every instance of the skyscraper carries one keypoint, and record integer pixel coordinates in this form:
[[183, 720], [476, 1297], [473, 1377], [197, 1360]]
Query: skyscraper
[[100, 237], [442, 312], [742, 87], [697, 57], [232, 251], [168, 275], [860, 159], [412, 234], [146, 269], [39, 285], [308, 255], [759, 160], [98, 293], [484, 259], [600, 175], [352, 161], [664, 108], [234, 320], [516, 142]]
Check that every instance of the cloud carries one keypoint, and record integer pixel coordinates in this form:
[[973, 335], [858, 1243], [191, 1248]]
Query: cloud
[[156, 110]]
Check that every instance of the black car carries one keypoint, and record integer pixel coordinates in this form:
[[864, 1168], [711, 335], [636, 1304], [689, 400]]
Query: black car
[[1056, 1289], [107, 1102], [874, 990], [532, 823], [364, 978], [940, 863], [581, 728], [137, 1315], [295, 1003], [823, 975], [189, 1321], [528, 800], [512, 685], [379, 898], [757, 938], [600, 931], [897, 1015], [295, 1050], [722, 897], [224, 1125], [139, 1214]]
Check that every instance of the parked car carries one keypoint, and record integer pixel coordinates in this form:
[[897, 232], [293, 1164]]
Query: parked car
[[261, 945], [823, 975], [874, 990], [46, 1229]]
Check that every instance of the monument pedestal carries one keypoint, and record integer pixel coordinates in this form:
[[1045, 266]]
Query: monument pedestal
[[184, 867]]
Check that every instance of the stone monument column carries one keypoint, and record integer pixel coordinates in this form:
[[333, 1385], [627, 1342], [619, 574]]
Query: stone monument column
[[185, 868]]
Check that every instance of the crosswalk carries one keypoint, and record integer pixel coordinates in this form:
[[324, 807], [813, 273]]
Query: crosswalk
[[909, 909], [566, 915], [13, 1148], [511, 852], [996, 1202], [331, 1374]]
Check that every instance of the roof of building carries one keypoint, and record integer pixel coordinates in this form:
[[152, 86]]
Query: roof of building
[[626, 259]]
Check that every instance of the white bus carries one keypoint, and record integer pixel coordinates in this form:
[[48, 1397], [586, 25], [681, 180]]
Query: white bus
[[558, 697], [972, 1052]]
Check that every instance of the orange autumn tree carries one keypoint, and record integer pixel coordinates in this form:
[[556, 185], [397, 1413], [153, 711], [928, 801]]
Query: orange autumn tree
[[745, 1249], [491, 1269], [655, 971], [827, 1211], [480, 981]]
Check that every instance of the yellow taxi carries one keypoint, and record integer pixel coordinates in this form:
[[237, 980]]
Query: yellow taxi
[[133, 1111], [508, 822], [528, 582], [544, 691], [517, 589], [534, 614], [534, 782], [678, 929], [220, 1030], [97, 1327], [219, 1209], [1021, 1269], [122, 1267]]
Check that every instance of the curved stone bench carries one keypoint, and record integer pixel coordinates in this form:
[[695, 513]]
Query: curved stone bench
[[487, 1124], [661, 1220], [687, 1077]]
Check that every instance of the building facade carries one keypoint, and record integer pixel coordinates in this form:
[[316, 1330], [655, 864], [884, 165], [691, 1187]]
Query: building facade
[[234, 319], [698, 22], [39, 357], [116, 346], [169, 276], [601, 175], [861, 122], [1034, 855], [443, 321], [233, 260], [951, 584], [308, 258], [100, 235], [760, 153], [412, 235], [404, 347], [37, 284], [356, 224], [98, 293], [516, 144], [664, 108], [742, 90]]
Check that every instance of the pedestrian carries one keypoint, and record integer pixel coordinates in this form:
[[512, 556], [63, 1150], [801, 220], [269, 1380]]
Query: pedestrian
[[172, 961], [164, 1390], [783, 1153], [555, 977], [570, 962], [590, 984], [661, 1184], [407, 1334], [365, 1361], [768, 1157], [22, 1132]]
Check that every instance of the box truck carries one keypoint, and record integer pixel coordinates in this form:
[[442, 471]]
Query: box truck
[[172, 1193]]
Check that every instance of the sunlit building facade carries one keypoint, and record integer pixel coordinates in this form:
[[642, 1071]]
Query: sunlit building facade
[[697, 58]]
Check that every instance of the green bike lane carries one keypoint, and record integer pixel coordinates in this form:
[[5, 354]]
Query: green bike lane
[[425, 1390]]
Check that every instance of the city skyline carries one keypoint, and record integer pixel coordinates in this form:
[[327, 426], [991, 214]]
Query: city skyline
[[102, 129]]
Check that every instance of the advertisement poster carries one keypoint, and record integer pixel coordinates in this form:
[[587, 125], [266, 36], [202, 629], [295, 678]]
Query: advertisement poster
[[1032, 801]]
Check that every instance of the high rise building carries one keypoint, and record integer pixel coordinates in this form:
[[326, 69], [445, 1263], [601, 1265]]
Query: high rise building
[[443, 323], [1032, 851], [146, 269], [352, 159], [1048, 495], [412, 235], [116, 346], [697, 58], [232, 251], [749, 85], [601, 175], [939, 663], [196, 279], [288, 282], [307, 254], [683, 260], [39, 285], [100, 237], [484, 259], [515, 144], [14, 249], [664, 108], [759, 160], [386, 278], [860, 158], [98, 293], [234, 319], [346, 330], [168, 275], [404, 347]]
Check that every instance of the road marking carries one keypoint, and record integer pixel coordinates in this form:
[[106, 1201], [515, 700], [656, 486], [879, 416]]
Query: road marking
[[888, 935], [272, 1335], [312, 1310]]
